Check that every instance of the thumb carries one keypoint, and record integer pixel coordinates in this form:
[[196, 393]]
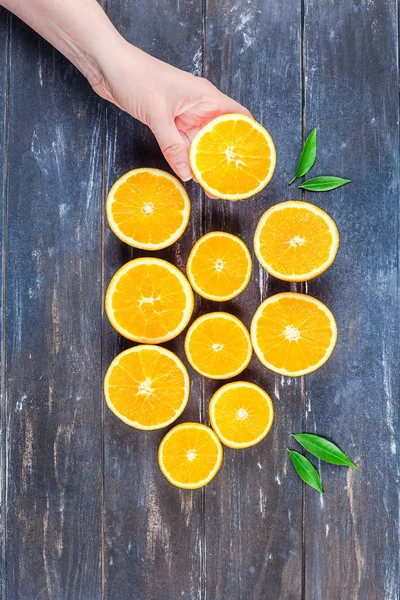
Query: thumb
[[173, 147]]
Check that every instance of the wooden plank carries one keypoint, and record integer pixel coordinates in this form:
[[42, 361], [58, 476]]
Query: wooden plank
[[53, 328], [352, 533], [153, 531], [4, 39], [254, 506]]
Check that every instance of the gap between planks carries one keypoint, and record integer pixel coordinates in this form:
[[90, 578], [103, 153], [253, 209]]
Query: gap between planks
[[303, 289], [3, 316], [102, 288], [203, 544]]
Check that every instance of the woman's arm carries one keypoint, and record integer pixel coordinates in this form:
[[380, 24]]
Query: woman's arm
[[79, 29], [173, 103]]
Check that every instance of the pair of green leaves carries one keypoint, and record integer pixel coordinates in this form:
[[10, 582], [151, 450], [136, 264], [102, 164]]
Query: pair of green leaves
[[306, 161], [321, 448]]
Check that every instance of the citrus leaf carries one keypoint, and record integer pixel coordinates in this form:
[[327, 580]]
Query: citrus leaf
[[323, 183], [323, 449], [305, 470], [307, 156]]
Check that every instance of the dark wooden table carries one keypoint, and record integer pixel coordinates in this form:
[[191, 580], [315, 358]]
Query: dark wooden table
[[86, 514]]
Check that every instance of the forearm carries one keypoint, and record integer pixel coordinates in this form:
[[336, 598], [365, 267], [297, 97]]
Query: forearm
[[79, 29], [173, 103]]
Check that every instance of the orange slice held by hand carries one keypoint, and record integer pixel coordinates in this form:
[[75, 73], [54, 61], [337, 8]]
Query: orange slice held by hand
[[233, 157], [147, 387], [190, 455], [218, 345], [219, 266], [149, 300], [296, 241], [241, 414], [293, 334], [148, 209]]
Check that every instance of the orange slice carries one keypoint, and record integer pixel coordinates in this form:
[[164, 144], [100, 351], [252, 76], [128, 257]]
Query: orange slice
[[233, 157], [147, 387], [148, 209], [241, 414], [190, 455], [218, 345], [293, 334], [219, 266], [149, 300], [296, 241]]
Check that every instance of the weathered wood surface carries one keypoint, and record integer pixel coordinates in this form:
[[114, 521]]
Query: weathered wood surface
[[53, 387], [88, 514], [4, 48], [253, 510], [154, 543], [352, 535]]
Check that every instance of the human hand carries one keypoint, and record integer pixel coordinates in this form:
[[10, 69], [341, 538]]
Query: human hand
[[173, 103]]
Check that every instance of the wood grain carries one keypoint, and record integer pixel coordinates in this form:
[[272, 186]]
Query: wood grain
[[4, 96], [154, 546], [88, 514], [352, 533], [254, 506], [53, 328]]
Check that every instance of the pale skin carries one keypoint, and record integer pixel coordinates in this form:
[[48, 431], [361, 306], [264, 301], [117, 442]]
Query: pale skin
[[173, 103]]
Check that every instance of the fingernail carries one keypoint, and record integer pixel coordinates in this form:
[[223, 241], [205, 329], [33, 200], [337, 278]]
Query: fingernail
[[184, 171]]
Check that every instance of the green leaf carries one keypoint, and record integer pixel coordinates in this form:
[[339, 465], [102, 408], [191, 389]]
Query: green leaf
[[323, 183], [305, 470], [307, 156], [323, 449]]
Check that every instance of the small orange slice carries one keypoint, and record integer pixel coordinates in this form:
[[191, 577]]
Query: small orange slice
[[148, 209], [296, 241], [149, 300], [147, 387], [293, 334], [241, 414], [218, 345], [233, 157], [190, 455], [219, 266]]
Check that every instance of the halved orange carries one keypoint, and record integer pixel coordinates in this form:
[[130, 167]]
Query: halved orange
[[293, 334], [218, 345], [219, 266], [190, 455], [149, 300], [147, 387], [233, 157], [148, 209], [241, 414], [296, 241]]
